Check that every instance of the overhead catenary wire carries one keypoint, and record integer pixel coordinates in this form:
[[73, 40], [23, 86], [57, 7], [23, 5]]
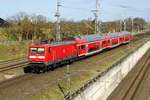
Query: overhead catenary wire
[[74, 8]]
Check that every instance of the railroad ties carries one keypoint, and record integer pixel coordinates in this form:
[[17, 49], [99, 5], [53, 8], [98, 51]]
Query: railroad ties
[[8, 67], [135, 86]]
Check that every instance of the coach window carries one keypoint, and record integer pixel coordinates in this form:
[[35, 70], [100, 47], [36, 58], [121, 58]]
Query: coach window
[[121, 38], [104, 42], [82, 46], [127, 39]]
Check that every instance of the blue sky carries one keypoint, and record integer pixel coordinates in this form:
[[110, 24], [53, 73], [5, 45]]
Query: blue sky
[[110, 9]]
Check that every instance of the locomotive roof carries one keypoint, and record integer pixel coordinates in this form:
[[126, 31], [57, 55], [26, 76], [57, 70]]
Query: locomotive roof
[[61, 43], [87, 38], [53, 43], [113, 35], [124, 32]]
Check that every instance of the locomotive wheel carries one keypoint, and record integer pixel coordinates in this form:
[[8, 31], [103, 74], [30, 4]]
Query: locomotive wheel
[[37, 70], [46, 69], [53, 67], [67, 61], [71, 61], [49, 68]]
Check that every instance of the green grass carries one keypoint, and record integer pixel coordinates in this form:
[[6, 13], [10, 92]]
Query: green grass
[[13, 50], [2, 36], [78, 79]]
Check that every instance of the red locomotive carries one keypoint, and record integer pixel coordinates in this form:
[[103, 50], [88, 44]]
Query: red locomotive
[[47, 56]]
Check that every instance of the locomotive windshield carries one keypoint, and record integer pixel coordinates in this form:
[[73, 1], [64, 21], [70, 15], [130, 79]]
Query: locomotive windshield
[[37, 50]]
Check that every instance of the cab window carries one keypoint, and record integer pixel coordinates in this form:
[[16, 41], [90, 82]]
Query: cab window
[[37, 50], [33, 50], [41, 50]]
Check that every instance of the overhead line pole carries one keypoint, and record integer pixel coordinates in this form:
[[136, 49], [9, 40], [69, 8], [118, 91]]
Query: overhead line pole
[[96, 14], [58, 36], [132, 21], [124, 24]]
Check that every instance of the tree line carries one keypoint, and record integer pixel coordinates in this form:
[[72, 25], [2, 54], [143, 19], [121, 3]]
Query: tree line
[[37, 27]]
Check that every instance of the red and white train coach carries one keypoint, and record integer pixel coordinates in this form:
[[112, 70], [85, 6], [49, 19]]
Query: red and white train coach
[[43, 57]]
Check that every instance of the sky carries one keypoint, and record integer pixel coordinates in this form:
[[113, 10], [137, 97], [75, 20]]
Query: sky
[[76, 10]]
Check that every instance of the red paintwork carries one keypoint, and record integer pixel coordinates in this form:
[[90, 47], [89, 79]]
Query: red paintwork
[[114, 40], [80, 43], [105, 41], [121, 38], [56, 52], [63, 51], [93, 44], [127, 37]]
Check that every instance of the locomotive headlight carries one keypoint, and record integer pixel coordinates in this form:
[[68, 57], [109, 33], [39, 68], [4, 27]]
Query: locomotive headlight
[[41, 57], [32, 56]]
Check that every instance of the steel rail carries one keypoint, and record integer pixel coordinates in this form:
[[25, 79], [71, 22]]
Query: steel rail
[[13, 66], [138, 78], [12, 60]]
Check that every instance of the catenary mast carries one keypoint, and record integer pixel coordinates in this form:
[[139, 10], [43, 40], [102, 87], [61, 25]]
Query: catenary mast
[[96, 14], [58, 36]]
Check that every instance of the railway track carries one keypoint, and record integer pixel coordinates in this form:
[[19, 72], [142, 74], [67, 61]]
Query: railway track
[[131, 88], [12, 60], [12, 64]]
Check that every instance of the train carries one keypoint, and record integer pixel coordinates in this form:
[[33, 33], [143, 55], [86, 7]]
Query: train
[[47, 56]]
